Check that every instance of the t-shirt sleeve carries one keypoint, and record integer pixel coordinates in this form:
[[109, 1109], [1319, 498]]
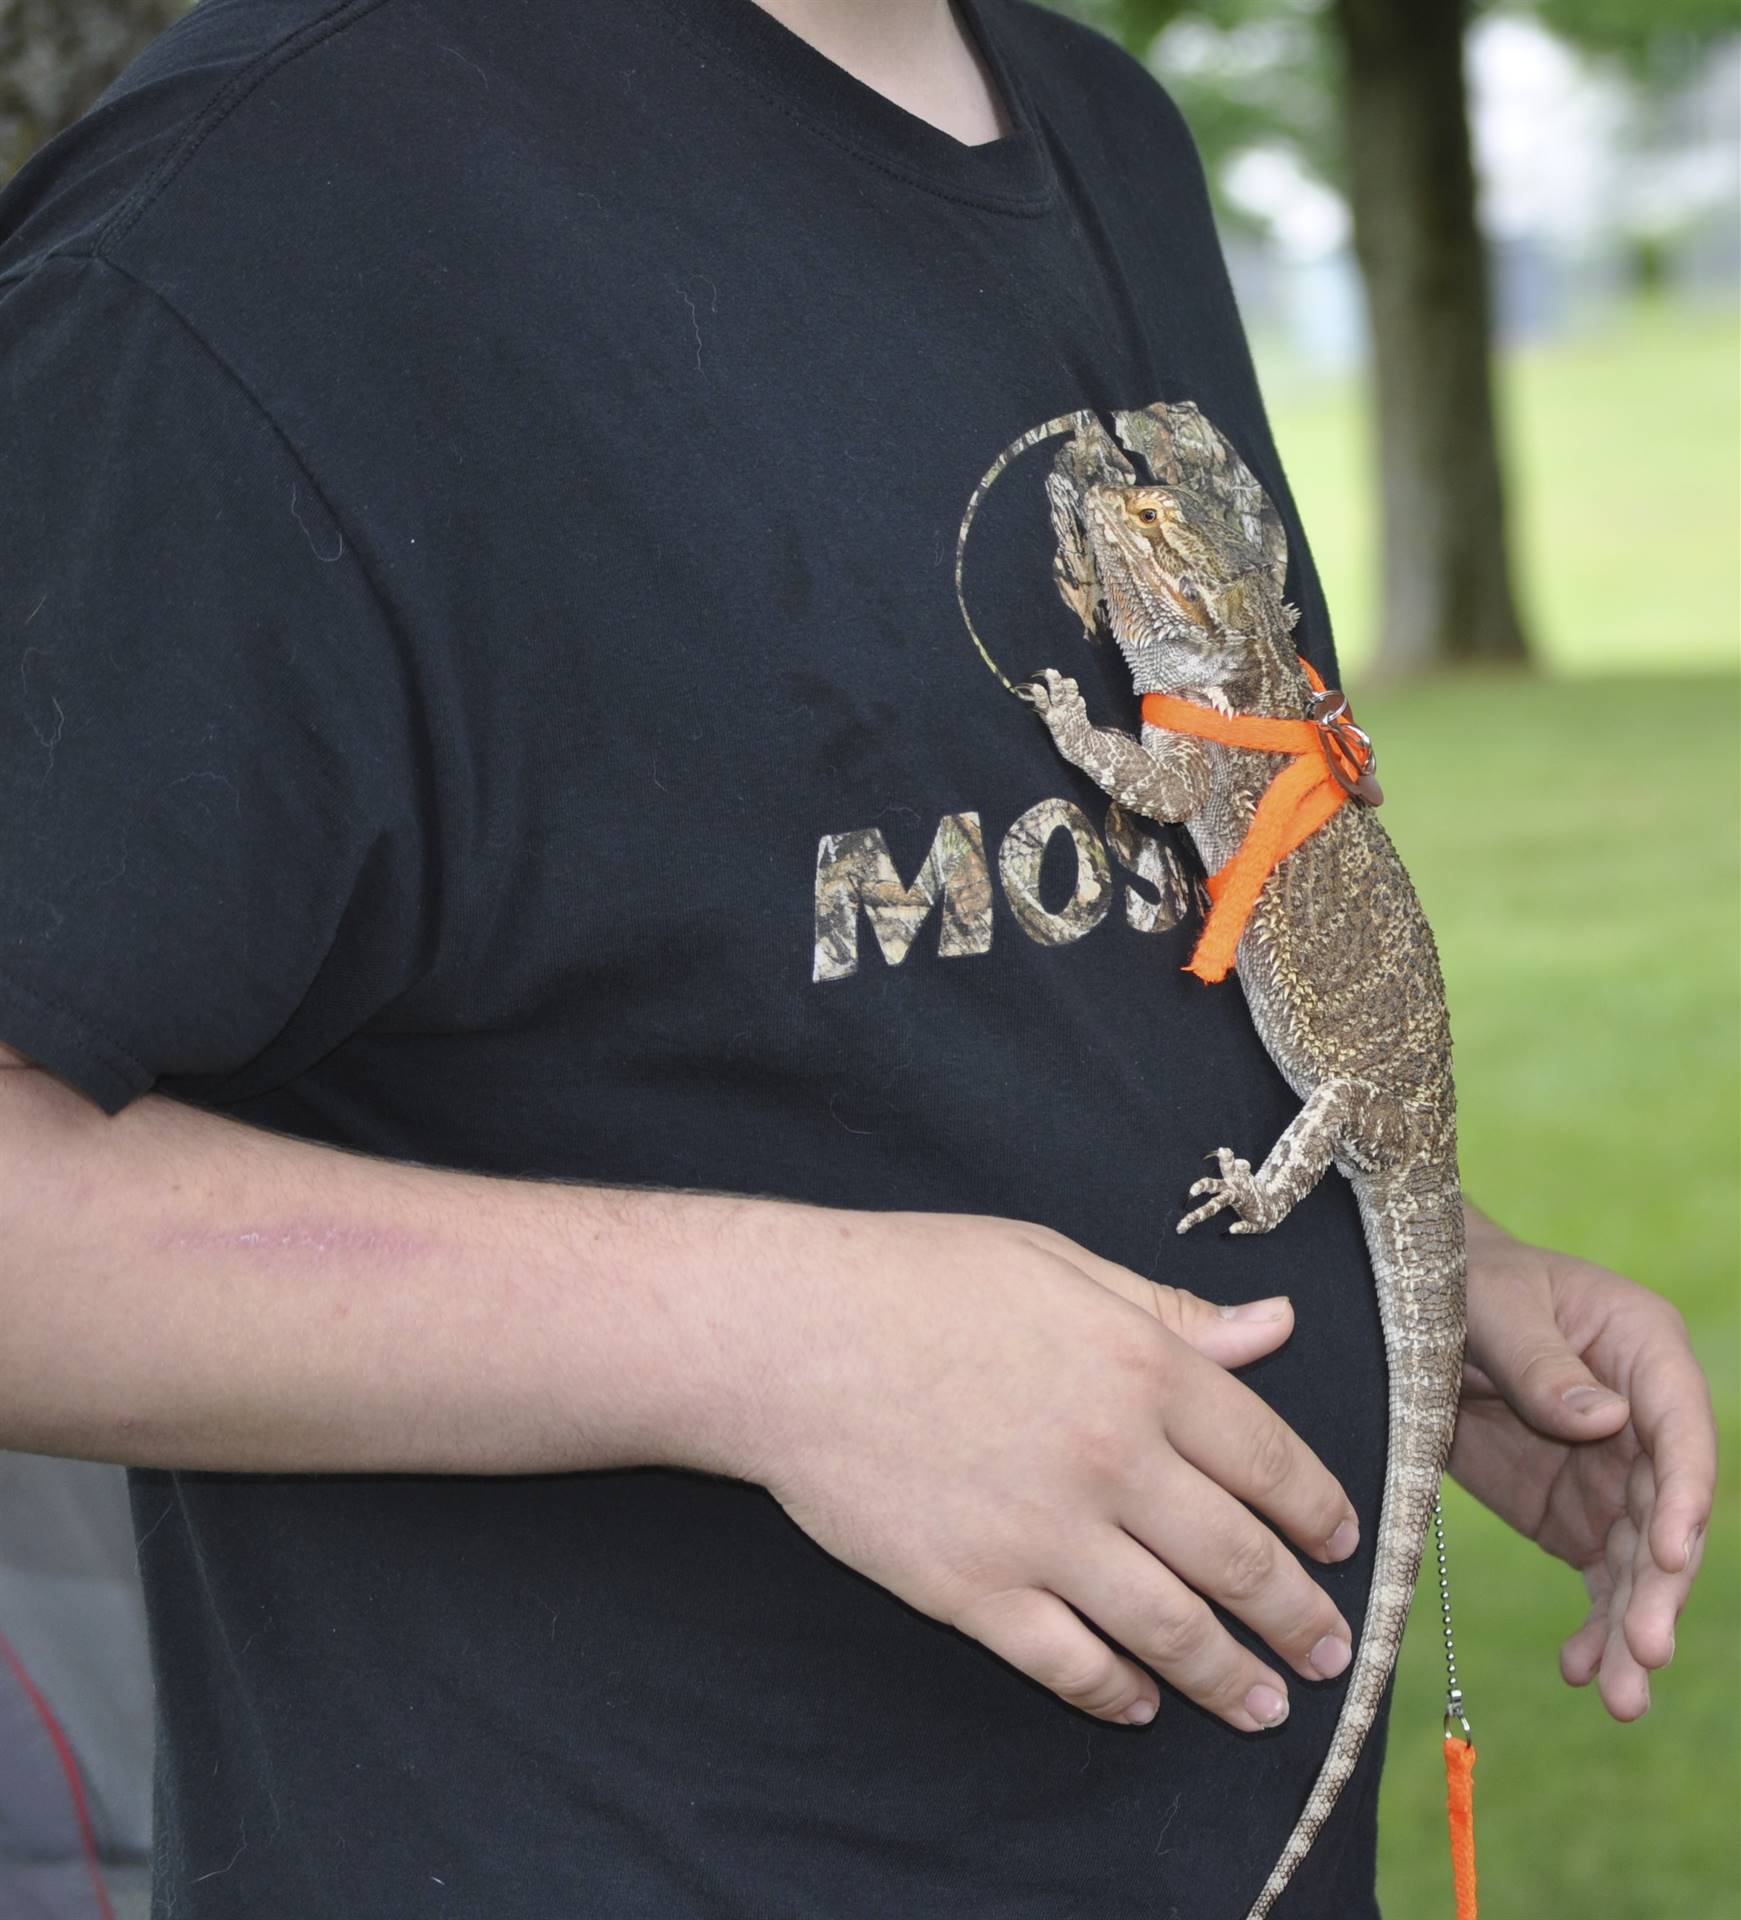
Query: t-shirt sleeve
[[213, 782]]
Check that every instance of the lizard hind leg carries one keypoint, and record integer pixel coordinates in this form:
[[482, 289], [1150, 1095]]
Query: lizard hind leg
[[1347, 1119]]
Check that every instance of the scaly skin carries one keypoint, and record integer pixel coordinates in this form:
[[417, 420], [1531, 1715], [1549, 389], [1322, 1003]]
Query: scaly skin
[[1337, 961]]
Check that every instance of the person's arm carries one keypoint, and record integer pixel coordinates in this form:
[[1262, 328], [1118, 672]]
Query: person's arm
[[182, 1290], [982, 1416]]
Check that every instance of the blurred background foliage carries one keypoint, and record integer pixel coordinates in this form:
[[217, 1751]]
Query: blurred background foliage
[[1488, 258], [56, 56]]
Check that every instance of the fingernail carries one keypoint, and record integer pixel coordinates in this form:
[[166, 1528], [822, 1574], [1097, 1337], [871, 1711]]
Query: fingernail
[[1330, 1656], [1343, 1541], [1140, 1712], [1691, 1543], [1589, 1399], [1275, 1308], [1267, 1707]]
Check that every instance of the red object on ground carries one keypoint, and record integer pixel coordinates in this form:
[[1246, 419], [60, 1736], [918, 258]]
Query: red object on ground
[[63, 1748]]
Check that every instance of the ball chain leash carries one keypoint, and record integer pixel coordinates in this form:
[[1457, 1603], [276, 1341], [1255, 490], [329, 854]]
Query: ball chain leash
[[1459, 1748]]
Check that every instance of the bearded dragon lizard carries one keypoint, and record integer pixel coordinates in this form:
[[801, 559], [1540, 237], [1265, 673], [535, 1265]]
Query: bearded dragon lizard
[[1336, 961]]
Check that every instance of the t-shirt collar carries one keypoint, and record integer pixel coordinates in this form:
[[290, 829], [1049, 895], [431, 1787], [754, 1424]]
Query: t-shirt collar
[[1012, 174]]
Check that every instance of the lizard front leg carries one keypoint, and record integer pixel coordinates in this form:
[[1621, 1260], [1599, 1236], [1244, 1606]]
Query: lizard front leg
[[1350, 1121], [1167, 786]]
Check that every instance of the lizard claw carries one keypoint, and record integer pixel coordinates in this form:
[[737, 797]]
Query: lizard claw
[[1237, 1188], [1055, 697]]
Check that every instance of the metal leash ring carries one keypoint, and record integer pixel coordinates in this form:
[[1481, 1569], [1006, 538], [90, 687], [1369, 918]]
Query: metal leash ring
[[1348, 749]]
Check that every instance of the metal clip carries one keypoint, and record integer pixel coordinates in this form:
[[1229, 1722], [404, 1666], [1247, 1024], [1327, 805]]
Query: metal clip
[[1349, 750]]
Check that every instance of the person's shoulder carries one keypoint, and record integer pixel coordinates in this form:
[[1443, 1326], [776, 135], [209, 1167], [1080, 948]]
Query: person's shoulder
[[237, 105], [83, 180], [1073, 61]]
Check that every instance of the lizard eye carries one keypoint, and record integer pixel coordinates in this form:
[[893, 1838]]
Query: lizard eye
[[1148, 516], [1188, 592]]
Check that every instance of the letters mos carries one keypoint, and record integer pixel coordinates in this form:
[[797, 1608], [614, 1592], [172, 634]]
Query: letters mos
[[856, 880]]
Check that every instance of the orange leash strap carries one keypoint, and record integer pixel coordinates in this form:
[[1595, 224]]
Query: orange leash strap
[[1296, 803], [1460, 1807], [1459, 1746]]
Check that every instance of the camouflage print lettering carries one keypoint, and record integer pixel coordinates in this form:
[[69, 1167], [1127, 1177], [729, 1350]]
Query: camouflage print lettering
[[855, 870], [1019, 858], [1150, 858]]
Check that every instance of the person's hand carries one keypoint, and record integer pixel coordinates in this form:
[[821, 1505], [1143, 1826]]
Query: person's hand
[[1586, 1423], [991, 1422]]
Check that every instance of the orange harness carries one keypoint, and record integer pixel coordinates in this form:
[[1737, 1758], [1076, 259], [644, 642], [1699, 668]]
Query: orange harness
[[1330, 760]]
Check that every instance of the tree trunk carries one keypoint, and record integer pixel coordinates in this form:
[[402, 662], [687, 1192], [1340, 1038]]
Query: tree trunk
[[56, 56], [1447, 586]]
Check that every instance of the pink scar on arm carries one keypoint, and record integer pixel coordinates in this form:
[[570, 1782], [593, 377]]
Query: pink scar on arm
[[306, 1235]]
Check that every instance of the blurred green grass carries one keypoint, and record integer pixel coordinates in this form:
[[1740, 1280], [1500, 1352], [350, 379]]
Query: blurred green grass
[[1575, 838], [1621, 440]]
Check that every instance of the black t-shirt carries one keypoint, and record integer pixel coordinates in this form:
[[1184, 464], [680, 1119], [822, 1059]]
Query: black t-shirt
[[483, 683]]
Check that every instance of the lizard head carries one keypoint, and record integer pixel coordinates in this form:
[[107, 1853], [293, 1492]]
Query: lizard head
[[1189, 601], [1186, 571]]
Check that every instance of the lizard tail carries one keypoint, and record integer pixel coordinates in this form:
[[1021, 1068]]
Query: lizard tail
[[1416, 1244]]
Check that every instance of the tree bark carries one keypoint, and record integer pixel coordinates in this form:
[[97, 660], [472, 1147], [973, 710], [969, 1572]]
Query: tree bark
[[1447, 590], [56, 56]]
